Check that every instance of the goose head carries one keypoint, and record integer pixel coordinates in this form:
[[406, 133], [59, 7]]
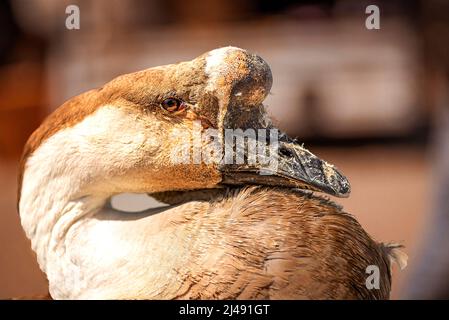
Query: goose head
[[166, 128]]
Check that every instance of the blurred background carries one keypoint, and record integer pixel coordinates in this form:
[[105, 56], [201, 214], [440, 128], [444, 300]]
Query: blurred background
[[373, 102]]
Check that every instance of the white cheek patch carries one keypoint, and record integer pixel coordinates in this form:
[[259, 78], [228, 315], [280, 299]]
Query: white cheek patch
[[54, 173]]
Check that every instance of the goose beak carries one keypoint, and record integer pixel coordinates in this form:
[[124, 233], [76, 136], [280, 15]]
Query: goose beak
[[244, 80], [295, 167]]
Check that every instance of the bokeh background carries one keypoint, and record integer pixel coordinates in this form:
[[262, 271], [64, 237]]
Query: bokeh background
[[373, 102]]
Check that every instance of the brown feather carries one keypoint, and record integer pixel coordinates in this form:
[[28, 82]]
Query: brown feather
[[272, 243]]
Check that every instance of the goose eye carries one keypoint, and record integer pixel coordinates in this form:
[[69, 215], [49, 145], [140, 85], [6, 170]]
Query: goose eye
[[173, 105]]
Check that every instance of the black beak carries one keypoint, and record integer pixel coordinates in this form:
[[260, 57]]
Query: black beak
[[296, 167]]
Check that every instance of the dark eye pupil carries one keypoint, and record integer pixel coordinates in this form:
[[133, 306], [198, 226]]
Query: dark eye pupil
[[171, 104]]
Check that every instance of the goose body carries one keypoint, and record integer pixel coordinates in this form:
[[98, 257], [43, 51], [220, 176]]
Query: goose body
[[217, 238]]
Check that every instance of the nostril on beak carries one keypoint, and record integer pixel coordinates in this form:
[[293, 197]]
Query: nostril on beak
[[283, 151]]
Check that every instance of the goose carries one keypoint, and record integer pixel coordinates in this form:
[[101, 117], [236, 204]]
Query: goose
[[227, 231]]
